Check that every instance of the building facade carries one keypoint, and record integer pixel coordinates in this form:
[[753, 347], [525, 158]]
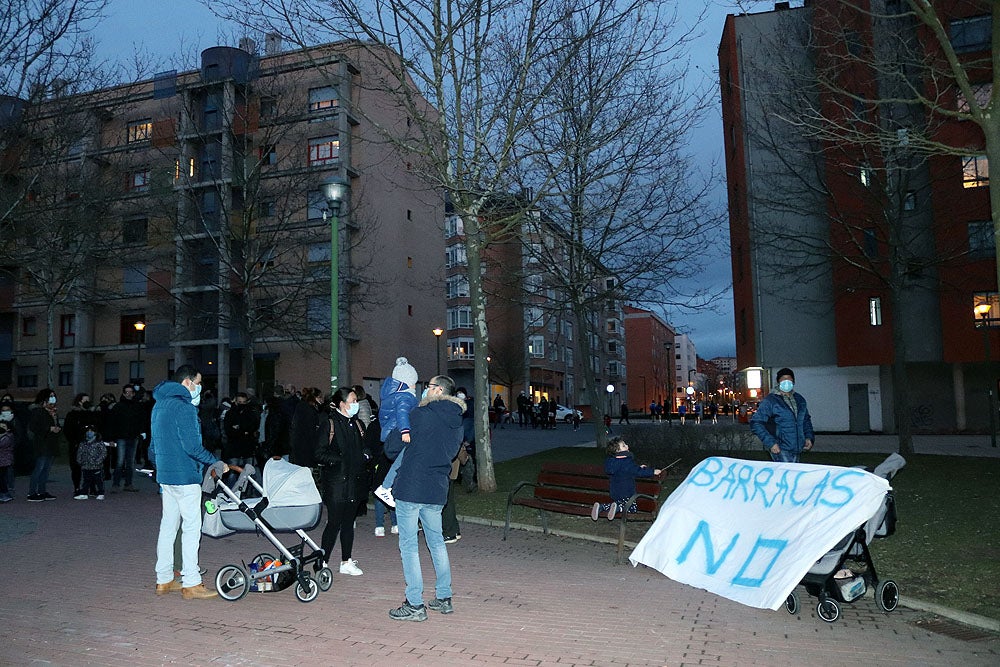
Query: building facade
[[650, 344], [201, 197]]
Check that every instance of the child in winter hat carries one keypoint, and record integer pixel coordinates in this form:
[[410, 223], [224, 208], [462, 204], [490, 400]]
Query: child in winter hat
[[398, 396], [406, 374]]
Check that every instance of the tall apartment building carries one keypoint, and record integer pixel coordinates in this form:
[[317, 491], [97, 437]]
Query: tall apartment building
[[688, 382], [533, 338], [201, 196], [877, 205], [650, 343]]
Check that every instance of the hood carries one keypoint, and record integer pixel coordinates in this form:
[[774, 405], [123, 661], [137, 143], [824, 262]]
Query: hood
[[440, 404], [170, 389]]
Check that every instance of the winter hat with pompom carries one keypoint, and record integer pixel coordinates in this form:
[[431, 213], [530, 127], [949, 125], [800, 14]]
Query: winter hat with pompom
[[406, 374]]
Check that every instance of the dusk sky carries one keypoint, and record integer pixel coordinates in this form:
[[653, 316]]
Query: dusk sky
[[161, 29]]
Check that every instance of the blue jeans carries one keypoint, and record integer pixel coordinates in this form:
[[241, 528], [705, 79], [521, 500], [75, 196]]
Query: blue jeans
[[409, 549], [126, 462], [181, 507], [40, 475], [380, 510], [784, 456]]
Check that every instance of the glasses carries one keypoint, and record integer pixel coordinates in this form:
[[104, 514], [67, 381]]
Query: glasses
[[431, 384]]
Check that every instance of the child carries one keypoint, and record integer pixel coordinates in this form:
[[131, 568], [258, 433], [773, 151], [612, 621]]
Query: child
[[398, 396], [623, 470], [90, 455], [6, 459]]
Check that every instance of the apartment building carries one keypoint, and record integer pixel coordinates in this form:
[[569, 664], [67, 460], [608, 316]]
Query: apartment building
[[209, 238], [650, 344]]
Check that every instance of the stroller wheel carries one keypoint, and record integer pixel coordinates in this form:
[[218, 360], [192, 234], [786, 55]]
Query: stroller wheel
[[887, 595], [231, 582], [828, 610], [325, 579], [792, 603], [306, 594], [262, 558]]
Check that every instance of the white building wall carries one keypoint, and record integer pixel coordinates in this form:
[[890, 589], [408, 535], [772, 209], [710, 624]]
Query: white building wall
[[826, 393]]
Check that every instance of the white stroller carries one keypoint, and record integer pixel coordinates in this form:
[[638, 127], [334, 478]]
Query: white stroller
[[832, 583], [289, 502]]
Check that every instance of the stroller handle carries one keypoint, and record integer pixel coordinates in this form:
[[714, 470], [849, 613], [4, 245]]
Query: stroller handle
[[237, 469]]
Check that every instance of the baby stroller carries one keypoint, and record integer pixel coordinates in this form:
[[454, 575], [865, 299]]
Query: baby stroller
[[289, 502], [832, 582]]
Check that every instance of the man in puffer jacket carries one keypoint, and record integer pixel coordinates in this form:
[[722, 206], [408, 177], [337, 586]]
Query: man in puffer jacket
[[782, 421], [180, 461]]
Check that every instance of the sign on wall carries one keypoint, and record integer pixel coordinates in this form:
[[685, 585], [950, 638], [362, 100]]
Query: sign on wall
[[750, 530]]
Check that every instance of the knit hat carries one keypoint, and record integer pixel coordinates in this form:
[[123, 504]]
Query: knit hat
[[783, 372], [405, 373]]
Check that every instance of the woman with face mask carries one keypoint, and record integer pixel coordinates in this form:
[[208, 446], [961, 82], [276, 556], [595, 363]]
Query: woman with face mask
[[343, 477], [782, 421]]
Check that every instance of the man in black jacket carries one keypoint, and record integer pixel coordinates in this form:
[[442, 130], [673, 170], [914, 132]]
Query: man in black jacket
[[127, 422]]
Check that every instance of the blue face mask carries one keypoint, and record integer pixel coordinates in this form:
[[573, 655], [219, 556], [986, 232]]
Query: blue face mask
[[352, 409], [786, 386], [423, 395], [90, 435]]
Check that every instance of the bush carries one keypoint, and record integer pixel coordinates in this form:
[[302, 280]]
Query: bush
[[659, 447]]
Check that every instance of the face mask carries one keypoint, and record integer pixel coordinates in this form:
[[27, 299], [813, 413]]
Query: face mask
[[352, 409], [461, 395], [196, 395], [786, 385], [52, 400], [90, 435], [85, 405], [6, 415], [423, 395]]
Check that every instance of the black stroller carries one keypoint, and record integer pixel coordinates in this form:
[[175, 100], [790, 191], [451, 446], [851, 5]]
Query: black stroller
[[289, 502], [833, 583]]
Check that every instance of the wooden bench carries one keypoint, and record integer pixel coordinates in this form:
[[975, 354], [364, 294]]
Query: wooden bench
[[573, 488]]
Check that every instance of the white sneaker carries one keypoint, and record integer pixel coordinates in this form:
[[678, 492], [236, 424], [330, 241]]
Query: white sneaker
[[385, 495], [351, 567], [394, 530], [80, 496], [100, 497], [380, 531]]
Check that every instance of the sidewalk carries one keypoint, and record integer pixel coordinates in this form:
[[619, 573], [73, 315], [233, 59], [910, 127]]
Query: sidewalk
[[78, 591]]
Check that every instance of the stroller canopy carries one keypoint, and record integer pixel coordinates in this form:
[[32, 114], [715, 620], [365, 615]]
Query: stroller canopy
[[289, 485]]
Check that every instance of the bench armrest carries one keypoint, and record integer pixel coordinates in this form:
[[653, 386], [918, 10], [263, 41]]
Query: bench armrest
[[518, 487]]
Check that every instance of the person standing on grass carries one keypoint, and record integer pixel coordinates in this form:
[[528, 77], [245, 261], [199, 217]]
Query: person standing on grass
[[421, 491]]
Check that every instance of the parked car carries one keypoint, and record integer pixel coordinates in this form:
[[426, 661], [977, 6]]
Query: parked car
[[566, 414]]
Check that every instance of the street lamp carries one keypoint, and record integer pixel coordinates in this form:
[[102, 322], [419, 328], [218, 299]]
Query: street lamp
[[437, 331], [610, 389], [140, 326], [983, 311], [334, 190]]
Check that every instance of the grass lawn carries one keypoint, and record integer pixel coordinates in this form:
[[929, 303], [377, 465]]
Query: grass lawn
[[946, 548]]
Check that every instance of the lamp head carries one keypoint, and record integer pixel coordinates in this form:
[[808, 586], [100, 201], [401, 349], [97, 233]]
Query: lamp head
[[334, 190]]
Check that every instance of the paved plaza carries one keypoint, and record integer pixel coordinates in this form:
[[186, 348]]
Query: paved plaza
[[78, 590]]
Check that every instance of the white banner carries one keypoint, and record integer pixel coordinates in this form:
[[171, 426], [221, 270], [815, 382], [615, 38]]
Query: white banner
[[750, 530]]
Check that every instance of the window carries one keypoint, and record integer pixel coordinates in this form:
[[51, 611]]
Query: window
[[315, 205], [454, 255], [615, 369], [981, 239], [322, 103], [536, 347], [27, 376], [910, 201], [457, 286], [135, 231], [67, 331], [461, 348], [324, 150], [875, 311], [133, 280], [453, 227], [612, 347], [981, 93], [460, 317], [870, 244], [567, 330], [138, 131], [268, 108], [568, 355], [975, 171], [65, 375], [612, 326], [269, 154], [319, 252], [318, 315], [609, 283], [971, 34], [867, 175], [138, 180], [533, 317], [111, 372], [266, 208], [29, 326]]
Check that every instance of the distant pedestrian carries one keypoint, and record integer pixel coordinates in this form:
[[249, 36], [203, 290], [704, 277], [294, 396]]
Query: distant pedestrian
[[682, 412], [623, 414]]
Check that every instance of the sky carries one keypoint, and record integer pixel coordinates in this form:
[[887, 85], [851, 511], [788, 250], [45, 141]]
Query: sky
[[161, 29]]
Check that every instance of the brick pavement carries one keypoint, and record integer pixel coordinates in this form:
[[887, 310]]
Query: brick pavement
[[78, 591]]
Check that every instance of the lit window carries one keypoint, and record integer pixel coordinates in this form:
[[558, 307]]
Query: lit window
[[536, 347], [875, 311], [867, 176], [461, 348], [975, 171], [324, 150], [138, 131], [322, 102], [138, 180]]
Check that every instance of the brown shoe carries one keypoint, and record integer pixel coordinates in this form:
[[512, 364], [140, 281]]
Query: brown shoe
[[163, 589], [198, 592]]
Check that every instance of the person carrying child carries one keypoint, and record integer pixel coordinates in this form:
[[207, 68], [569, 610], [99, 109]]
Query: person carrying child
[[398, 397], [622, 469], [90, 454]]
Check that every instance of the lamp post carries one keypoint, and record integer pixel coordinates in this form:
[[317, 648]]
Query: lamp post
[[334, 189], [140, 326], [983, 311], [610, 389], [437, 331]]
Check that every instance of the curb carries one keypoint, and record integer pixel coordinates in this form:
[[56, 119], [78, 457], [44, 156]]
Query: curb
[[963, 617]]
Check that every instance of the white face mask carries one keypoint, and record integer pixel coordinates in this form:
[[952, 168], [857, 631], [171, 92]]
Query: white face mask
[[196, 395], [461, 395], [52, 400], [6, 416], [352, 409]]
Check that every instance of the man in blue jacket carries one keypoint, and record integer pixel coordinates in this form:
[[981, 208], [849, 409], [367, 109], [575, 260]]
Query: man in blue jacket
[[421, 491], [782, 421], [180, 461]]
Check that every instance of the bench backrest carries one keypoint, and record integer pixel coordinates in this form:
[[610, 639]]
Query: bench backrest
[[586, 483]]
